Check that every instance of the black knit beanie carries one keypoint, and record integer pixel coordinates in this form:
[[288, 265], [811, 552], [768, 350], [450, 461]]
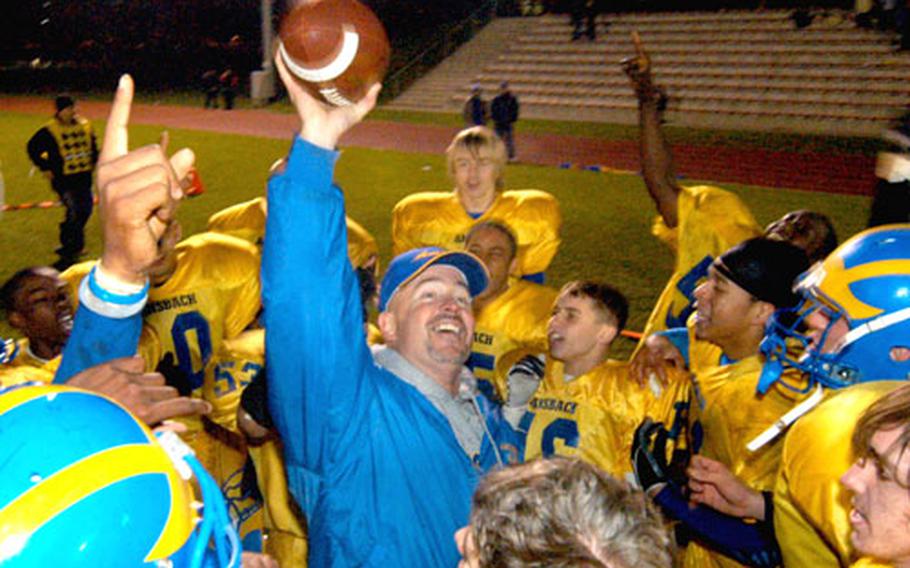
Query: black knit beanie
[[765, 268]]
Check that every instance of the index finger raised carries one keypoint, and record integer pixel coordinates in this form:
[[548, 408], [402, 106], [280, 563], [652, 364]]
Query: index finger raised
[[116, 136]]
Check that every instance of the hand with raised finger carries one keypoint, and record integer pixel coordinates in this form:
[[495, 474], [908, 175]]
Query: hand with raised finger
[[712, 483], [638, 69], [323, 124], [652, 360], [143, 394], [138, 193]]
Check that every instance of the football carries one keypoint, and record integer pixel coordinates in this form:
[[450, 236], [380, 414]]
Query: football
[[336, 48]]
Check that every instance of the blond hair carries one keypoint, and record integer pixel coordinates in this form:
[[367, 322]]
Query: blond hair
[[563, 512], [475, 139]]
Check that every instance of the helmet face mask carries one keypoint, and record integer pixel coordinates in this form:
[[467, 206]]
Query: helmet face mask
[[87, 484], [862, 290], [791, 344]]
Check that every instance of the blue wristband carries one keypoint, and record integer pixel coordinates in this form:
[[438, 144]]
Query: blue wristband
[[111, 298]]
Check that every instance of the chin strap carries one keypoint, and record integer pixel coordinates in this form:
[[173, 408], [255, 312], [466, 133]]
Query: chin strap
[[787, 419]]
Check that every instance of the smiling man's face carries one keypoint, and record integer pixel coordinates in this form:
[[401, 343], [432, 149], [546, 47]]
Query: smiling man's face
[[429, 321]]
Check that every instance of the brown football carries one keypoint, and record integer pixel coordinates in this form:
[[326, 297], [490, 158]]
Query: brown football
[[336, 48]]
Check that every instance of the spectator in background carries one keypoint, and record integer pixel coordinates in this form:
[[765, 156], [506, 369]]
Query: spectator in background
[[562, 512], [891, 201], [229, 82], [504, 110], [65, 151], [583, 14], [902, 20], [210, 88], [475, 111]]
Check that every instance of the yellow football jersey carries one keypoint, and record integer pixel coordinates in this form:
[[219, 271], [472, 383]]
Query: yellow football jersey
[[244, 220], [438, 219], [285, 537], [711, 220], [733, 415], [811, 507], [517, 319], [703, 355], [212, 295], [374, 334], [239, 360], [26, 358], [25, 367], [247, 221], [594, 416]]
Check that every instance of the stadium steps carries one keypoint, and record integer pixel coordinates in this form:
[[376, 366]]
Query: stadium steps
[[796, 82], [433, 91], [737, 69]]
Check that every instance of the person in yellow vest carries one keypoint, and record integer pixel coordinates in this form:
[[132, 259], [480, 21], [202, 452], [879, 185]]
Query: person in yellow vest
[[511, 313], [476, 160], [65, 151]]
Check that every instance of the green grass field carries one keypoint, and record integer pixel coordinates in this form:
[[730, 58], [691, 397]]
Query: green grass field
[[607, 217]]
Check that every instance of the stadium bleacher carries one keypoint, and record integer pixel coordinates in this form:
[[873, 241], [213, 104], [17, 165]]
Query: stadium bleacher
[[744, 70]]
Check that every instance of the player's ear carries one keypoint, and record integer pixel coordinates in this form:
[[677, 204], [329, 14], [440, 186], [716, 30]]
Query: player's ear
[[513, 266], [16, 320], [388, 325], [606, 334], [762, 312]]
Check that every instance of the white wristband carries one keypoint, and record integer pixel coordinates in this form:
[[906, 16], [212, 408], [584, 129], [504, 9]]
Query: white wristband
[[115, 285]]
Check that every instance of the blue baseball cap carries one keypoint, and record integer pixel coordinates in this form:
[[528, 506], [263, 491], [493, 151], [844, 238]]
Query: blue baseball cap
[[408, 266]]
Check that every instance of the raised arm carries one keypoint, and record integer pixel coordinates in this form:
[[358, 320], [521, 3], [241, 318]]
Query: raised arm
[[316, 353], [139, 191], [656, 158]]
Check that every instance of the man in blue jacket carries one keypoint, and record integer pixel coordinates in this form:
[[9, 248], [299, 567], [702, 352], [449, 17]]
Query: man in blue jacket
[[382, 454]]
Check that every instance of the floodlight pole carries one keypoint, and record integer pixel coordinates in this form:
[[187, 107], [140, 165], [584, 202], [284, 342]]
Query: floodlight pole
[[262, 81]]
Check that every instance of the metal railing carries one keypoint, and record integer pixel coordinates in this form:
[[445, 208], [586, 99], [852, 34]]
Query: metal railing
[[418, 60]]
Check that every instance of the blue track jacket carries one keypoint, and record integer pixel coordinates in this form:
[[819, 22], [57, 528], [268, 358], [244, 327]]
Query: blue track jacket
[[373, 464]]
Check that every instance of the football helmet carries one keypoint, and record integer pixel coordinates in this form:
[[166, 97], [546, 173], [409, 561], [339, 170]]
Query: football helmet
[[9, 350], [87, 484], [866, 284]]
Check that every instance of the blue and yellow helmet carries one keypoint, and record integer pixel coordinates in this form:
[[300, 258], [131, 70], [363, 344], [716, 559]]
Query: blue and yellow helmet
[[85, 483], [865, 283]]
